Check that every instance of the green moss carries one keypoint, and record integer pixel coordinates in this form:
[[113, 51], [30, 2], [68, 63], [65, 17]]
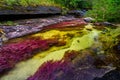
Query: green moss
[[109, 39], [8, 23], [25, 3]]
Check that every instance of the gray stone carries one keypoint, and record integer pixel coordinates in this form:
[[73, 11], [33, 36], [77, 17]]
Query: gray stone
[[89, 19], [31, 10]]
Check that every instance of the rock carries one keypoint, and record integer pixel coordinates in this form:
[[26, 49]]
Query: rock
[[108, 24], [20, 12], [77, 12], [31, 10], [89, 19], [67, 24], [37, 25], [3, 37], [112, 75], [116, 48]]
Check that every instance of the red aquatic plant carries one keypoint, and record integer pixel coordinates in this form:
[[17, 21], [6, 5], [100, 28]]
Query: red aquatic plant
[[67, 24], [52, 71], [70, 55], [82, 68], [12, 53]]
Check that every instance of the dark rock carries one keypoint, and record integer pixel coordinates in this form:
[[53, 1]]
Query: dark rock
[[35, 25], [28, 12], [77, 12], [32, 10], [108, 24], [112, 75], [116, 48], [85, 70]]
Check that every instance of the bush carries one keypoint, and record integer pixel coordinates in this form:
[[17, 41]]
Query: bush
[[25, 3], [105, 10], [73, 4]]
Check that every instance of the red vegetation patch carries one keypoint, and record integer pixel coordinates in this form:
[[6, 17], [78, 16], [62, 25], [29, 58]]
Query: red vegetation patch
[[67, 24], [65, 70], [51, 71], [12, 53], [70, 55]]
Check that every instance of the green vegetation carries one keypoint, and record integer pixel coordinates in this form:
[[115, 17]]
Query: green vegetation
[[105, 10], [101, 10], [25, 3], [8, 23], [73, 4]]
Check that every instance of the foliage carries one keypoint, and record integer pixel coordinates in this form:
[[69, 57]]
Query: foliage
[[8, 23], [105, 10], [73, 4], [26, 3]]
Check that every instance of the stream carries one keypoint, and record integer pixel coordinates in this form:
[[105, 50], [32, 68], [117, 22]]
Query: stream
[[77, 35]]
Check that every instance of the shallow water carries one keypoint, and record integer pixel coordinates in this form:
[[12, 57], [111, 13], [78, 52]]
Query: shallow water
[[78, 42]]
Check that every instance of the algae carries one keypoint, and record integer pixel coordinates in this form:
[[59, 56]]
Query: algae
[[29, 67], [78, 41]]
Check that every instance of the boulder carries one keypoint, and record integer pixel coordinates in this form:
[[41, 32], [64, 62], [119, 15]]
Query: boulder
[[28, 12], [89, 19], [112, 75], [31, 10], [79, 13], [35, 25]]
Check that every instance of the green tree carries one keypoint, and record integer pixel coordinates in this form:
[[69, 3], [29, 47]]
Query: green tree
[[75, 4], [105, 10]]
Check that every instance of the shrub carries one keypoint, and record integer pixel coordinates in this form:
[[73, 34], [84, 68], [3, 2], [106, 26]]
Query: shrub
[[105, 10], [73, 4], [12, 3]]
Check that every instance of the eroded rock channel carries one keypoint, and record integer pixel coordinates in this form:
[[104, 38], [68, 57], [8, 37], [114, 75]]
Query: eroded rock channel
[[59, 48]]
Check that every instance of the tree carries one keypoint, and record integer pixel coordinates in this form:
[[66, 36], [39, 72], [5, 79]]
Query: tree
[[105, 10]]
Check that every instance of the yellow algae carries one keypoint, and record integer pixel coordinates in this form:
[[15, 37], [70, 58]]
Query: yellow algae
[[89, 26], [85, 41], [52, 49], [27, 68], [54, 33]]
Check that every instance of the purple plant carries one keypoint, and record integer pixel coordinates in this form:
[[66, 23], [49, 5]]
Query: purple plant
[[65, 24], [12, 53], [83, 68], [52, 71]]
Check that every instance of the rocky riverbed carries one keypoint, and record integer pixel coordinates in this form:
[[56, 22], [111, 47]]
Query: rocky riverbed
[[59, 48]]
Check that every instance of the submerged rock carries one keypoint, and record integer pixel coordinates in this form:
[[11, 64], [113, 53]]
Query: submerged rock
[[112, 75]]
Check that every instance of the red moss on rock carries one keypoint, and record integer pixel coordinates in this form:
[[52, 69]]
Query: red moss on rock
[[67, 24], [70, 55], [82, 69], [52, 71], [12, 53]]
